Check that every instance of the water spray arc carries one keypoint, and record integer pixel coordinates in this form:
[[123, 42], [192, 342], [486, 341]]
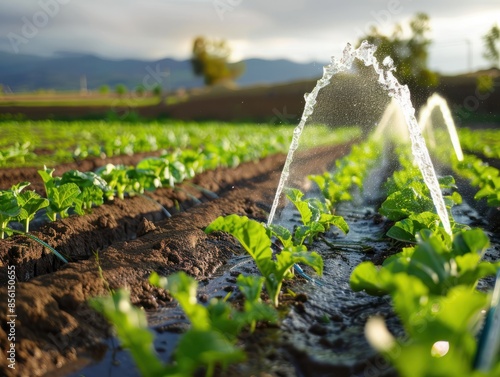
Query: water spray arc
[[436, 102], [401, 94], [392, 117]]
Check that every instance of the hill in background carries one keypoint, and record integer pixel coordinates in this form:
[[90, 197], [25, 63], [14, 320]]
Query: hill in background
[[21, 73]]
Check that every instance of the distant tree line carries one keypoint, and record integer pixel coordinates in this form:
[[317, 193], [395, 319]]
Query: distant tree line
[[121, 90]]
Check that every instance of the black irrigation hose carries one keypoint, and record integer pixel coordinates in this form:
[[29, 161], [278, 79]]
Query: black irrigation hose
[[210, 194], [163, 209], [36, 239]]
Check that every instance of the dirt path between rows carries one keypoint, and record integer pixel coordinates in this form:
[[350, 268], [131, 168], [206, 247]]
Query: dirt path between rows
[[131, 238]]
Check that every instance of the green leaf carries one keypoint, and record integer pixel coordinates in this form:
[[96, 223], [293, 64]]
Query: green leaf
[[47, 178], [250, 286], [406, 229], [224, 319], [17, 188], [307, 231], [207, 348], [62, 198], [282, 233], [84, 179], [401, 204], [338, 221], [365, 277], [183, 288], [9, 210], [252, 236], [295, 196], [470, 241], [9, 207], [296, 254], [30, 203], [131, 326]]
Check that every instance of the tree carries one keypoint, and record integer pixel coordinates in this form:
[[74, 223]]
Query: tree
[[492, 45], [210, 60], [121, 90], [156, 90], [409, 52], [104, 89], [140, 90]]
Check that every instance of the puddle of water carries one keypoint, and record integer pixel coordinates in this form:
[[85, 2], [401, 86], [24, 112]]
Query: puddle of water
[[322, 336]]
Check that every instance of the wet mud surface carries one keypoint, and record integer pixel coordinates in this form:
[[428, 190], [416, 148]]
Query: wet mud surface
[[119, 245], [321, 330]]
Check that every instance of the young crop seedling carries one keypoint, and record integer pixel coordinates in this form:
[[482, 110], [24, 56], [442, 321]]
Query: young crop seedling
[[19, 205], [432, 286], [209, 342], [117, 179], [350, 171], [29, 203], [62, 197], [438, 264], [409, 204], [254, 238], [93, 189], [9, 210], [316, 218]]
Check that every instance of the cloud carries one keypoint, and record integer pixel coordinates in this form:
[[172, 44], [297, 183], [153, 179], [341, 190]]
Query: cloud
[[298, 29]]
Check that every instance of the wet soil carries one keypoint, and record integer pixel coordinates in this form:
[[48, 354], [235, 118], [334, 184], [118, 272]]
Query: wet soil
[[119, 245]]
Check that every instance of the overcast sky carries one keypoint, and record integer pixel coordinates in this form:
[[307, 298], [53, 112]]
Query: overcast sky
[[299, 30]]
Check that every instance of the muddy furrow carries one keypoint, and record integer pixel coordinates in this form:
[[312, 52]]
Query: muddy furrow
[[54, 324]]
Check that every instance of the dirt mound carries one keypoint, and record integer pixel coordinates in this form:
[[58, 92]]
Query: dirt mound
[[119, 245]]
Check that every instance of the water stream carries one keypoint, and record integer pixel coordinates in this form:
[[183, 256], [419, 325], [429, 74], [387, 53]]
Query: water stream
[[436, 102], [400, 93]]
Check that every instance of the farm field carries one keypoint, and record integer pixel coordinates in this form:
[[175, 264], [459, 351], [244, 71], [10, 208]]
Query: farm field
[[157, 213]]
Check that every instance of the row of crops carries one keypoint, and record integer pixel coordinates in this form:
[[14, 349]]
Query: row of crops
[[39, 143], [432, 281], [205, 147], [485, 142]]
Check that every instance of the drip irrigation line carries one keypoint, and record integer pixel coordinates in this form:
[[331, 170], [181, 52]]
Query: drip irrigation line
[[342, 245], [210, 194], [301, 272], [190, 196], [299, 269], [36, 239], [164, 210]]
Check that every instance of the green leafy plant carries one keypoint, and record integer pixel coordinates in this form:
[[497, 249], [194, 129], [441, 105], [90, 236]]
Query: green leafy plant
[[256, 241], [117, 179], [409, 202], [432, 290], [17, 153], [350, 172], [130, 324], [93, 189], [440, 337], [209, 342], [439, 265], [30, 203], [9, 210], [61, 197], [19, 205], [315, 216]]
